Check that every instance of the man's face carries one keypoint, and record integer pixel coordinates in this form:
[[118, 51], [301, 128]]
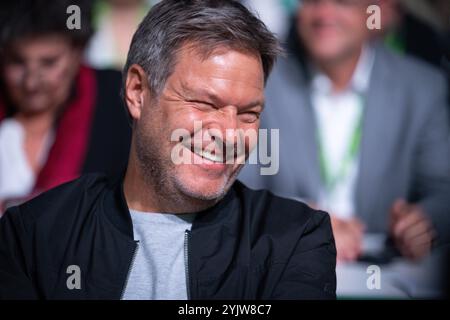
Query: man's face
[[225, 93], [39, 72], [332, 29]]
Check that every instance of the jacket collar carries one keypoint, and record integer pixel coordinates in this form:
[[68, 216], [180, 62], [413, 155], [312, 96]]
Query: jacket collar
[[114, 206]]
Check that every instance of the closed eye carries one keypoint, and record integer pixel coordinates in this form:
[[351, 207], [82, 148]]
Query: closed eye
[[250, 116]]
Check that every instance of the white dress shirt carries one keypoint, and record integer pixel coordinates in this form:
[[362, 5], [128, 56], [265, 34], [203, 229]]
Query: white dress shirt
[[17, 178], [337, 116]]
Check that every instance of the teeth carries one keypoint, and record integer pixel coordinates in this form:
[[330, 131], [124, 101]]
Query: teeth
[[206, 154], [209, 156]]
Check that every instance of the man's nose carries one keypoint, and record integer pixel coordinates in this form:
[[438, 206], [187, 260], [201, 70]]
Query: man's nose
[[228, 123]]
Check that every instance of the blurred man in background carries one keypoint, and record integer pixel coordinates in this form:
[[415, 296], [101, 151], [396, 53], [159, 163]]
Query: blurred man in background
[[363, 132], [58, 118]]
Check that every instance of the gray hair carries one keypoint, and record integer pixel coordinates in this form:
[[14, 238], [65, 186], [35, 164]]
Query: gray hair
[[207, 24]]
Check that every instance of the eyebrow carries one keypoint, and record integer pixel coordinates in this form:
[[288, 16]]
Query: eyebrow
[[206, 94]]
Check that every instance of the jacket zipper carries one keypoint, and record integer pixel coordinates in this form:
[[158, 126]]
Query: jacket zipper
[[186, 263], [135, 250]]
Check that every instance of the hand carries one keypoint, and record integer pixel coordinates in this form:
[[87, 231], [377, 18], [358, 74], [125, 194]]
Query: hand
[[348, 235], [411, 230]]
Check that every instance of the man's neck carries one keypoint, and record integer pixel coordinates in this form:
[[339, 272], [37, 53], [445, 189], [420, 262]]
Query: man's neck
[[340, 71], [137, 194]]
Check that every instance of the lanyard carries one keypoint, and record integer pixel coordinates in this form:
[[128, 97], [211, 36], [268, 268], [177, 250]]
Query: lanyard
[[328, 178]]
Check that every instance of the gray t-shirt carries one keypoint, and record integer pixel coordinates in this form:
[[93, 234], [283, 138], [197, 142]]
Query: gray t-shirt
[[158, 271]]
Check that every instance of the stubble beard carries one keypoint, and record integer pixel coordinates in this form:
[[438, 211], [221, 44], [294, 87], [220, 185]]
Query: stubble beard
[[160, 175]]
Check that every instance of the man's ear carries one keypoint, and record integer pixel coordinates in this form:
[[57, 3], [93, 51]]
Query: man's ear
[[135, 87]]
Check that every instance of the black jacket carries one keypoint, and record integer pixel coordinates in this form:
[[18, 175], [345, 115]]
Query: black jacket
[[251, 245]]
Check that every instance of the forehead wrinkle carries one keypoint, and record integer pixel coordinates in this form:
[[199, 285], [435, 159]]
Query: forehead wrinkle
[[213, 80], [221, 65]]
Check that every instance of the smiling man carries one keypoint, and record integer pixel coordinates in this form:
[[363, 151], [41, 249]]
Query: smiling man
[[168, 230], [225, 92]]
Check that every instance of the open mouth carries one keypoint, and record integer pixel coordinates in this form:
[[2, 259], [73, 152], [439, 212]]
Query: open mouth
[[215, 151], [208, 155]]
